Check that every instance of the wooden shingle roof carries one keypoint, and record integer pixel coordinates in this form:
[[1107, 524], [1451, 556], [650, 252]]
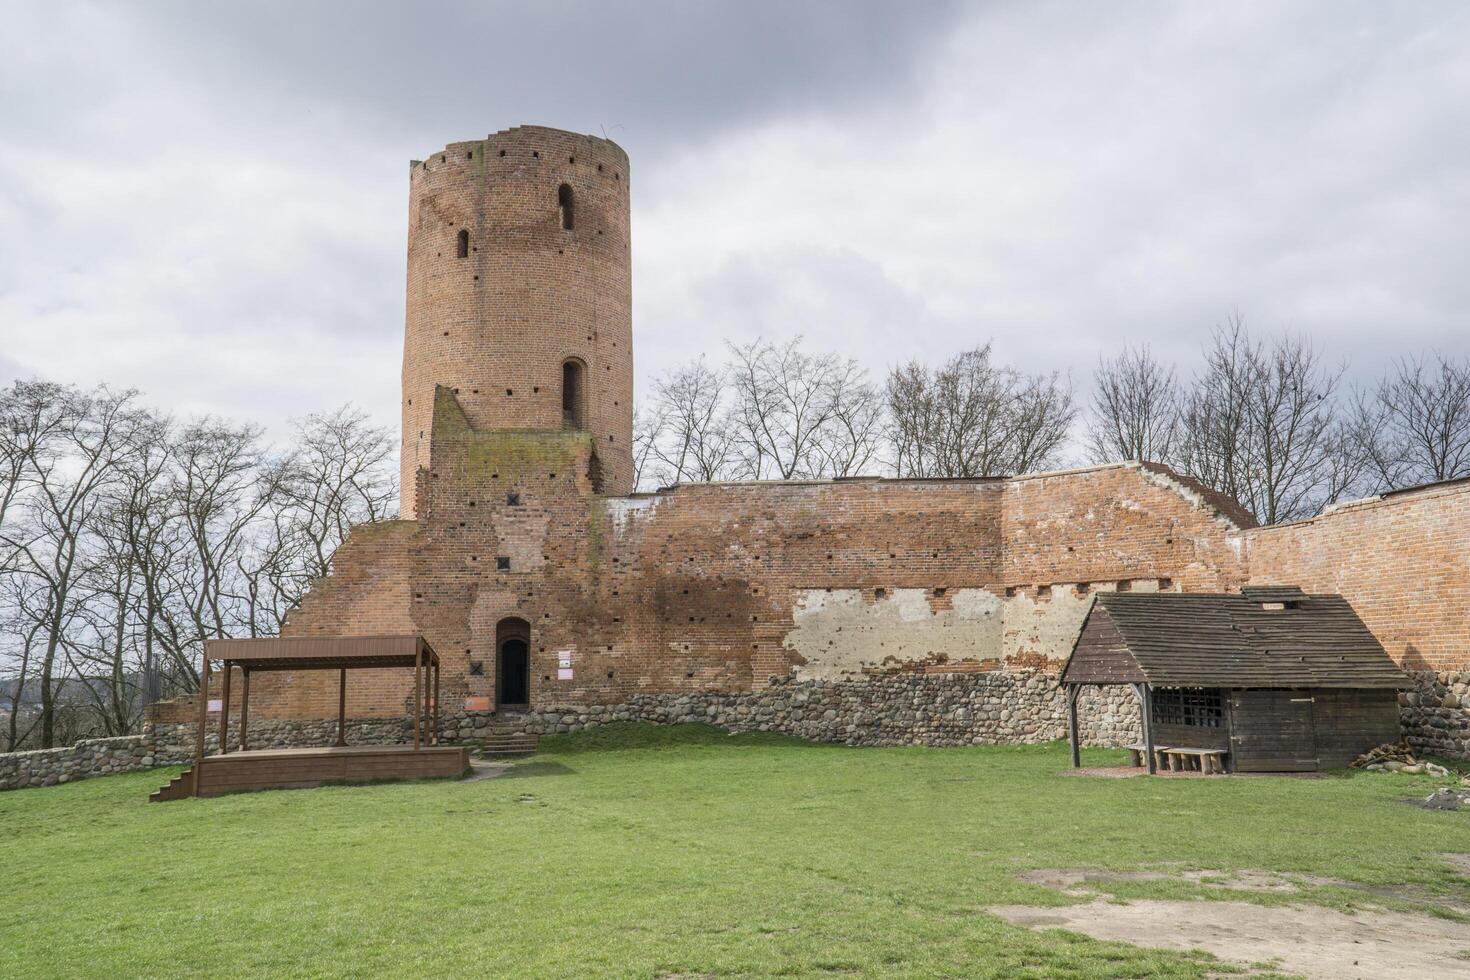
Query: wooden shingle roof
[[1275, 636]]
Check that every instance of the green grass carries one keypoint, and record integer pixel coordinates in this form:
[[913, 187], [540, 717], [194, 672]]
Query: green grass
[[640, 851]]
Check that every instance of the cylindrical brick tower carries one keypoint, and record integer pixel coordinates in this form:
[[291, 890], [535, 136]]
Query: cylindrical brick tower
[[519, 293]]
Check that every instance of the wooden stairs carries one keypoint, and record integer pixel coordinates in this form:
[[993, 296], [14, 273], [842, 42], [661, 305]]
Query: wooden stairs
[[501, 744], [180, 788]]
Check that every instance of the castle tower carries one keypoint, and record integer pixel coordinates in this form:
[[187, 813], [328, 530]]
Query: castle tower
[[519, 293]]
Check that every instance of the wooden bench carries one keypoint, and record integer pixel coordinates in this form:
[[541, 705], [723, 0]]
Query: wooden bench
[[1181, 759], [1136, 755]]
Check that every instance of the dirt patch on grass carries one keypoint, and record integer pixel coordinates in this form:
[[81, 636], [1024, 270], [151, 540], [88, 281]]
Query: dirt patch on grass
[[1310, 940], [1307, 940], [479, 769], [1460, 862], [1070, 880]]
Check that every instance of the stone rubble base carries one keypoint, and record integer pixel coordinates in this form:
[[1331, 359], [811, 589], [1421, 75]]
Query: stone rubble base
[[1011, 707]]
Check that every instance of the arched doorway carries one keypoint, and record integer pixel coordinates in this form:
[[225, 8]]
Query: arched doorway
[[512, 663]]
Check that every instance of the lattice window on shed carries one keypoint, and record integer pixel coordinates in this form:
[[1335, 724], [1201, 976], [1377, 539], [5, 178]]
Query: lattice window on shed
[[1194, 706]]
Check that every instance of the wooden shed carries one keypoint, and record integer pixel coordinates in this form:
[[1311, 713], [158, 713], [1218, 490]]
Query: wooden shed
[[1270, 680]]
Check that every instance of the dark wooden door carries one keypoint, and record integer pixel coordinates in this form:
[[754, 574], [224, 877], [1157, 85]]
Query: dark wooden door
[[514, 687], [1272, 731]]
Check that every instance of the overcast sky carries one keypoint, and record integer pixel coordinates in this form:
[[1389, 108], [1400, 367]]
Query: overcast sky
[[209, 201]]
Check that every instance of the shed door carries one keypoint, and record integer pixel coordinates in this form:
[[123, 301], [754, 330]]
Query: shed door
[[1272, 731]]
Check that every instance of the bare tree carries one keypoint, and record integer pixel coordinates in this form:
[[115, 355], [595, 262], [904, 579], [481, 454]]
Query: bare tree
[[126, 540], [782, 402], [1043, 415], [94, 433], [970, 417], [224, 482], [1415, 424], [1262, 424], [22, 600], [786, 408], [853, 434], [337, 476], [33, 416], [648, 430], [1135, 409], [696, 441]]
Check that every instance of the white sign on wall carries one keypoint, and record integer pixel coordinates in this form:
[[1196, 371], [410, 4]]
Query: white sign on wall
[[216, 704]]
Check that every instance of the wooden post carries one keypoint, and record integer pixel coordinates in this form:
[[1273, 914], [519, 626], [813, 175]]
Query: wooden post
[[418, 688], [203, 720], [1072, 691], [342, 707], [244, 710], [224, 712], [435, 740], [1145, 703]]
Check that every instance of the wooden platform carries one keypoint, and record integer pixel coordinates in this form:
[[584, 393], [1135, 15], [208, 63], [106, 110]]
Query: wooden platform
[[302, 768]]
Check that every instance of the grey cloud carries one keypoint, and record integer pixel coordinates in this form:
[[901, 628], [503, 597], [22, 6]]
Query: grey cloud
[[652, 75], [208, 201]]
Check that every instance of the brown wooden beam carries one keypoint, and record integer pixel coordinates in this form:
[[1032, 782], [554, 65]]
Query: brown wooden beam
[[1145, 707], [224, 712], [435, 734], [418, 690], [1072, 691], [342, 707], [244, 710], [203, 721]]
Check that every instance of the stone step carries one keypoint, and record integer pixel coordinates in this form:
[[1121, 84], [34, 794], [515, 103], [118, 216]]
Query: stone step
[[507, 744]]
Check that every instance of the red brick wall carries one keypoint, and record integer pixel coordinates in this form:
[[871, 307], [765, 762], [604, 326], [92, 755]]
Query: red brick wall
[[496, 325], [1403, 561], [721, 586]]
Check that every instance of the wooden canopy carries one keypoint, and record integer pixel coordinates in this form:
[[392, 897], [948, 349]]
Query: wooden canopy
[[1271, 636], [322, 652], [339, 653]]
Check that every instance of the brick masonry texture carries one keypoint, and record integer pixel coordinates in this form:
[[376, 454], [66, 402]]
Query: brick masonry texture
[[516, 523], [496, 325], [1402, 560], [719, 587]]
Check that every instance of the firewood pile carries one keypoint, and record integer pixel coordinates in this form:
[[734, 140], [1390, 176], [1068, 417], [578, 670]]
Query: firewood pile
[[1396, 757]]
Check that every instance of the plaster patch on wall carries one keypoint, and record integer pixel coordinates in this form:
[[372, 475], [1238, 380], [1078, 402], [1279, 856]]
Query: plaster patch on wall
[[840, 632], [1040, 631], [621, 510]]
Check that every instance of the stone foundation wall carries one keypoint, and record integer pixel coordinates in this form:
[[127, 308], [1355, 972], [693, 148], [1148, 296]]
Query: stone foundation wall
[[175, 741], [1004, 707], [1022, 707], [1435, 713], [92, 757], [899, 709]]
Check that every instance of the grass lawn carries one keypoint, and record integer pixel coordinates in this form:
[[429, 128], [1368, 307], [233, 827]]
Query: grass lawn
[[639, 851]]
